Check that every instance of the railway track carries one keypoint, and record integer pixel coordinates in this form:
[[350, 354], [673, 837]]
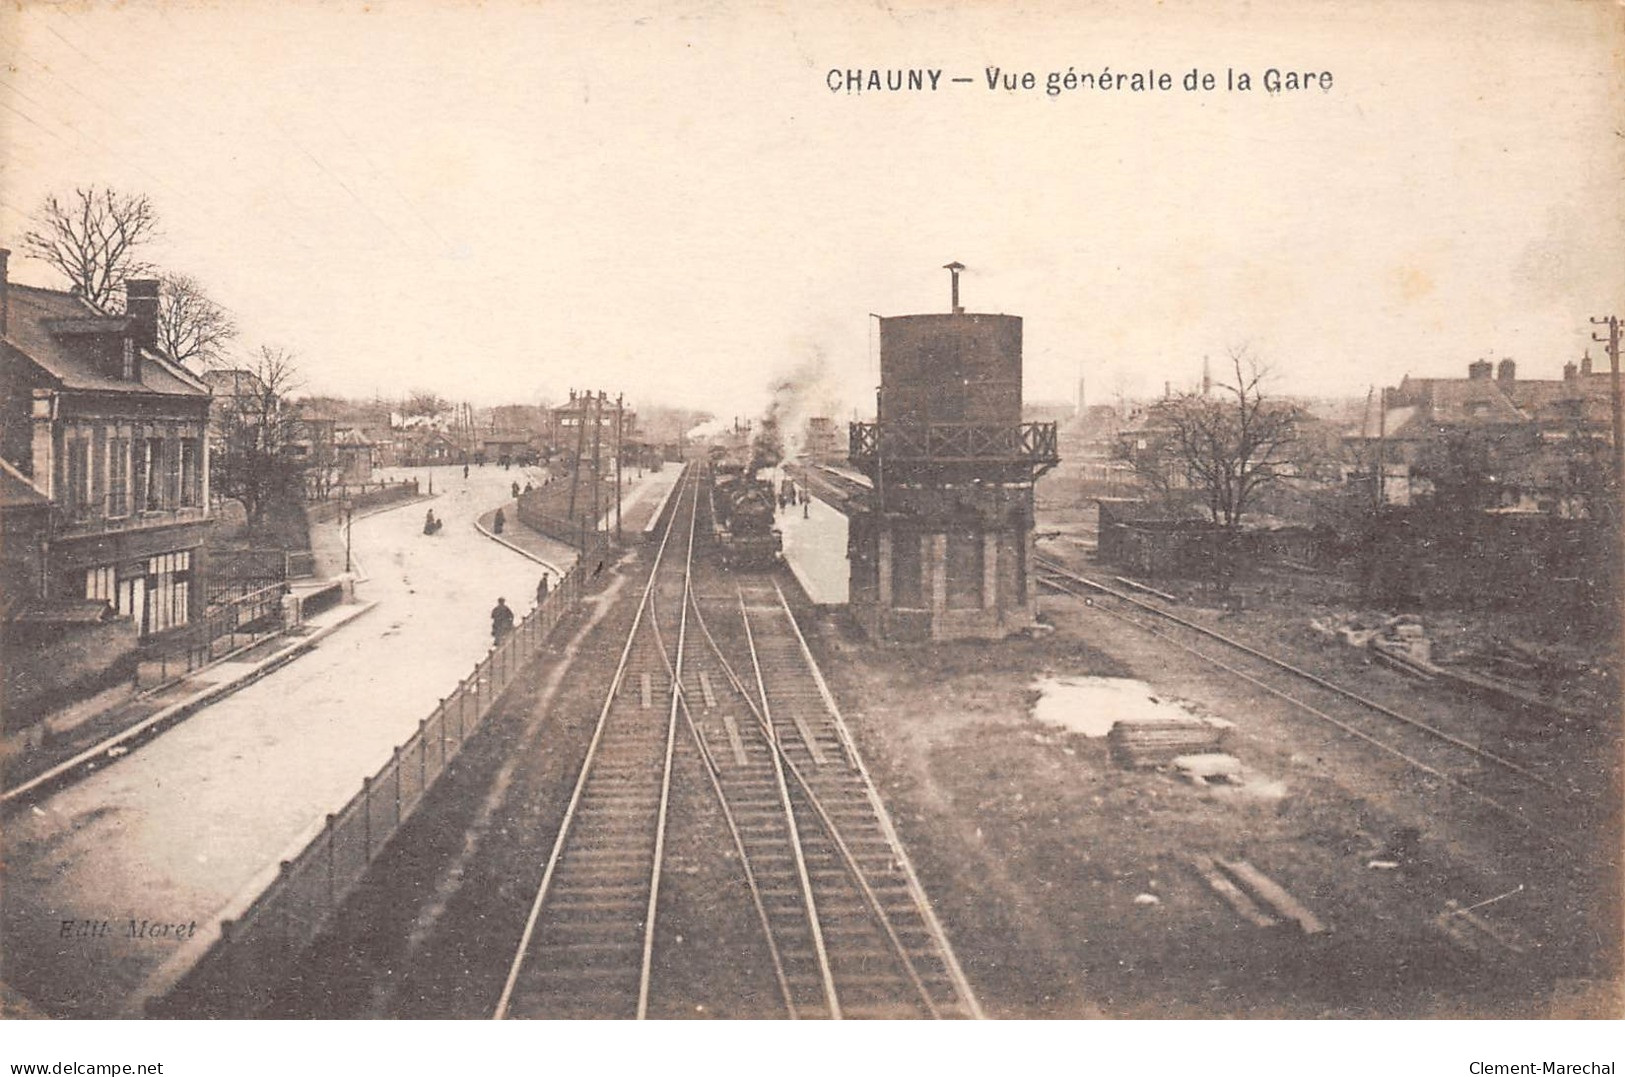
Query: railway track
[[587, 942], [853, 904], [844, 923], [1507, 788]]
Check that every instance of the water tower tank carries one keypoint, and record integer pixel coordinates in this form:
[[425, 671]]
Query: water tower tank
[[950, 368]]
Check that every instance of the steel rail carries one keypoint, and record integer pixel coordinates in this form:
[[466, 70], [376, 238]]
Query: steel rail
[[665, 779], [714, 773], [922, 901], [853, 868], [1478, 750], [775, 752], [506, 998], [1503, 809], [828, 821]]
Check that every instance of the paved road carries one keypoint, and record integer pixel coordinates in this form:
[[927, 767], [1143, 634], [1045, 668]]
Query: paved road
[[172, 832]]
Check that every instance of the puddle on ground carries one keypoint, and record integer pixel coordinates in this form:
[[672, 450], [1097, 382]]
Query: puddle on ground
[[1089, 706]]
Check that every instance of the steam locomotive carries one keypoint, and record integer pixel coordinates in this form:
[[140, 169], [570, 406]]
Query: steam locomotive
[[742, 512]]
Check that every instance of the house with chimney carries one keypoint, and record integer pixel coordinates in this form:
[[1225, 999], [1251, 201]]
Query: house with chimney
[[1527, 431], [105, 444]]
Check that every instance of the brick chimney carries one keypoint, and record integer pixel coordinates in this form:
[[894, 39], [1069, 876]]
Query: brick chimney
[[1480, 371], [141, 304], [1506, 373], [5, 293], [1585, 363]]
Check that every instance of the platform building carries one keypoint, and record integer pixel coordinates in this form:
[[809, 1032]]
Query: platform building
[[943, 547]]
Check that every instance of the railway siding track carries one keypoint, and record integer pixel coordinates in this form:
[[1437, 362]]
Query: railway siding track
[[1502, 786]]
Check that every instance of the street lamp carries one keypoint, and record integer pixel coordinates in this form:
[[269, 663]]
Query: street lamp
[[348, 508]]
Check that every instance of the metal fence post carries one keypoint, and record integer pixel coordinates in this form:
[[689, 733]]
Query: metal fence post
[[423, 758], [331, 898], [283, 869], [229, 959], [397, 785], [366, 819]]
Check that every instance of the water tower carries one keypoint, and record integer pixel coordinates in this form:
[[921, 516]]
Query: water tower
[[943, 549]]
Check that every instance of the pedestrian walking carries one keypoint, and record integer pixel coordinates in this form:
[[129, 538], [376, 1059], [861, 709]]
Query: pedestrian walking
[[501, 622], [541, 590], [465, 471], [498, 522], [516, 489]]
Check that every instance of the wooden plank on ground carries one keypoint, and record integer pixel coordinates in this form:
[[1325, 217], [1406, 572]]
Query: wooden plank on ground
[[646, 687], [733, 739], [705, 690], [1274, 895], [1233, 895]]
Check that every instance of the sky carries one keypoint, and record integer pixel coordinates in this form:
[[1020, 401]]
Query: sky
[[500, 201]]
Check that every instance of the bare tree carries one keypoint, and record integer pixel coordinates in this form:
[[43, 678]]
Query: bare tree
[[191, 326], [1224, 447], [92, 239], [425, 402], [259, 435]]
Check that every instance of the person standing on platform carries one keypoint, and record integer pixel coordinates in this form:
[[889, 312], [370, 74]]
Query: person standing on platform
[[501, 622], [498, 522], [541, 590]]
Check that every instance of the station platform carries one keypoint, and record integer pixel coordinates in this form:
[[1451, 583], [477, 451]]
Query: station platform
[[644, 499], [815, 549]]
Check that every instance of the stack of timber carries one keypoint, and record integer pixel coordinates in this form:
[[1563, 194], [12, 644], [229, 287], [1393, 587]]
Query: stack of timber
[[1157, 742]]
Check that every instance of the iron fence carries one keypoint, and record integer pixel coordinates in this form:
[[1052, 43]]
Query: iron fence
[[258, 947], [363, 496], [229, 627], [234, 573], [578, 533]]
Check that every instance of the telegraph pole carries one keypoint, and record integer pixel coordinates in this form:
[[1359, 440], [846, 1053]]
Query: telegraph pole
[[581, 447], [1382, 447], [620, 410], [597, 456], [1612, 340]]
